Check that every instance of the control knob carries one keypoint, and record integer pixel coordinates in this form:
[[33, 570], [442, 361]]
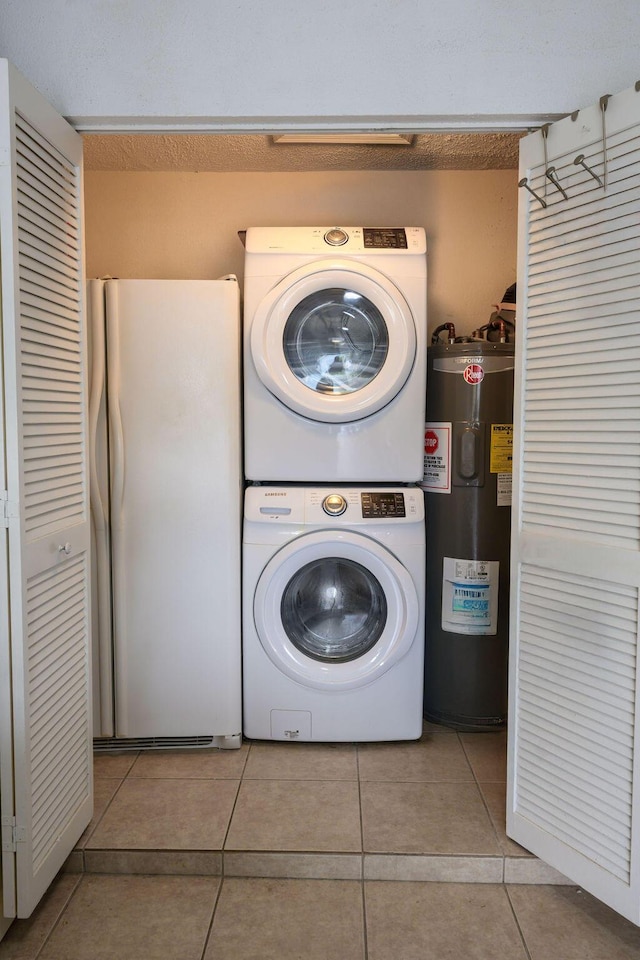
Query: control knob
[[336, 237], [335, 504]]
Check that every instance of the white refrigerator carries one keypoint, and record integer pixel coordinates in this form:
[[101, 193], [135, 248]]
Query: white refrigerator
[[166, 485]]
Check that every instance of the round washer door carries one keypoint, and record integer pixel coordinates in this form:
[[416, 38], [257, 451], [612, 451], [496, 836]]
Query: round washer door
[[334, 341], [335, 611]]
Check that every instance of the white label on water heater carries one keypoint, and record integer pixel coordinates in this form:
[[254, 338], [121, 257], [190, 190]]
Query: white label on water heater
[[504, 484], [470, 596], [437, 457]]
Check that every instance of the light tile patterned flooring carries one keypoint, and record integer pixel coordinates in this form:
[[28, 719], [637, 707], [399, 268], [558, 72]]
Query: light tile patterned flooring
[[334, 852]]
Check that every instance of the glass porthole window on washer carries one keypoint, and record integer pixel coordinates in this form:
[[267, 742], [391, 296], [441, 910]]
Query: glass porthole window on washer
[[335, 341], [333, 610]]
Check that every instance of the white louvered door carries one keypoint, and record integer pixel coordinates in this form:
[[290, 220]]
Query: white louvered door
[[45, 638], [574, 757]]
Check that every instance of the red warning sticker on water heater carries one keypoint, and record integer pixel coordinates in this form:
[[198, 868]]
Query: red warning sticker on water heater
[[431, 442], [473, 373], [437, 458]]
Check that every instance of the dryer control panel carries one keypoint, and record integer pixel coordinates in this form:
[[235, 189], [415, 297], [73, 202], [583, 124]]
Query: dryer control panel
[[336, 241], [387, 238]]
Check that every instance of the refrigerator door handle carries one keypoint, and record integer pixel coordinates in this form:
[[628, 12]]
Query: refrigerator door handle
[[99, 511], [115, 416], [95, 399], [117, 457]]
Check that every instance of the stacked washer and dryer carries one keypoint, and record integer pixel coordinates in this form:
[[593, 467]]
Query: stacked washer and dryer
[[334, 538]]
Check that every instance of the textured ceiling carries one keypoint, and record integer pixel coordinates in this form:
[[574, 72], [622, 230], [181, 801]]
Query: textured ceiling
[[255, 152]]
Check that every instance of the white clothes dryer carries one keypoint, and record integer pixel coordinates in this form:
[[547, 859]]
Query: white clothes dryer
[[333, 613], [335, 322]]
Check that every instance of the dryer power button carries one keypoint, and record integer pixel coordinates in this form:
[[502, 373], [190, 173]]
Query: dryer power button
[[335, 505]]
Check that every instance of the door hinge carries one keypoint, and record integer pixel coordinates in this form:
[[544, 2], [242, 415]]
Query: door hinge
[[8, 509], [12, 835]]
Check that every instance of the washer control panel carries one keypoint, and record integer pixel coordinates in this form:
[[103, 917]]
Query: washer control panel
[[382, 506], [343, 506]]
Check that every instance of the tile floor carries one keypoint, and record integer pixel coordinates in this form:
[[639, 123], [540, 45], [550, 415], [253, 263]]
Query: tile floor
[[295, 851]]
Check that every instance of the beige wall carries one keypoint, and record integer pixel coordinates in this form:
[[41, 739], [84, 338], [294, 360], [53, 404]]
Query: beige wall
[[185, 225]]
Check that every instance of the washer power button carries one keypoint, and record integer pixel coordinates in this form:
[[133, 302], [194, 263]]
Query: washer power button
[[335, 504], [336, 237]]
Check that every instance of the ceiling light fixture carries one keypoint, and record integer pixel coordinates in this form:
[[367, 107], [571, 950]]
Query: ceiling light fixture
[[375, 139]]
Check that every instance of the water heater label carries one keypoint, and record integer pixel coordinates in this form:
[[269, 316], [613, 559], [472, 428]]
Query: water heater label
[[437, 458], [501, 460], [504, 485], [470, 596]]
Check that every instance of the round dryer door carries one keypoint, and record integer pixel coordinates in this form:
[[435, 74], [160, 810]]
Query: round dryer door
[[335, 611], [334, 341]]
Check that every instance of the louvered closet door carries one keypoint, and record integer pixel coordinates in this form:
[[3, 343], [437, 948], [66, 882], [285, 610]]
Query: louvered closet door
[[45, 457], [574, 754]]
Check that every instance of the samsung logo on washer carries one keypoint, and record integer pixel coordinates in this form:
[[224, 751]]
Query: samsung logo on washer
[[273, 494]]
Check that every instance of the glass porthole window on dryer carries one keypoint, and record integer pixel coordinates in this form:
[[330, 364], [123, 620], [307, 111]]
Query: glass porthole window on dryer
[[335, 341], [333, 609]]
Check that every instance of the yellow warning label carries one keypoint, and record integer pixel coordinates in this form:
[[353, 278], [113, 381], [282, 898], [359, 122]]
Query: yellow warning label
[[501, 448]]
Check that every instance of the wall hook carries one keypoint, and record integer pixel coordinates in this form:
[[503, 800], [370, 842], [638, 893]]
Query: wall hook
[[525, 183], [580, 161], [550, 173]]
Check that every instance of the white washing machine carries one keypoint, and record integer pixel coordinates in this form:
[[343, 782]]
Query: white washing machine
[[333, 613], [335, 322]]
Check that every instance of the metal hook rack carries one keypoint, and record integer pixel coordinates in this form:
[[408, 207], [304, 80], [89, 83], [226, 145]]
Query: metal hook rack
[[544, 130], [525, 183], [580, 162], [603, 110], [550, 174]]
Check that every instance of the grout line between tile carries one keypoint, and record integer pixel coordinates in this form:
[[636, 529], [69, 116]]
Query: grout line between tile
[[59, 917], [213, 915], [246, 759], [484, 802], [365, 937], [233, 810], [360, 811], [102, 815], [515, 917]]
